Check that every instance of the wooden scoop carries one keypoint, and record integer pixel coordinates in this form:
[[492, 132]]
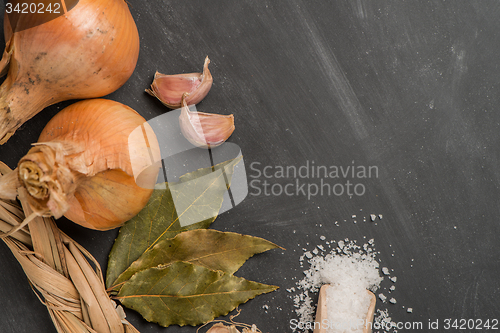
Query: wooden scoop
[[321, 312]]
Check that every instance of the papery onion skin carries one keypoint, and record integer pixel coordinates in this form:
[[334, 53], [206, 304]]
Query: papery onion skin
[[92, 208], [91, 139], [88, 52]]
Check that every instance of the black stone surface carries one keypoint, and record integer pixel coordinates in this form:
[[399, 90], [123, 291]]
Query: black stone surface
[[408, 87]]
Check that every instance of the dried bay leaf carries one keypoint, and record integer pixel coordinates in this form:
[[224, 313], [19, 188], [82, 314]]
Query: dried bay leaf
[[196, 194], [186, 294], [215, 250]]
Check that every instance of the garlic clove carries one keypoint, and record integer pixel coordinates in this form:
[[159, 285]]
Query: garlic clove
[[169, 89], [205, 130]]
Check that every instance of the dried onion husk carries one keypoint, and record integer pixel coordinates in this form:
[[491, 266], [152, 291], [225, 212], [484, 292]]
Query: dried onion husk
[[59, 271]]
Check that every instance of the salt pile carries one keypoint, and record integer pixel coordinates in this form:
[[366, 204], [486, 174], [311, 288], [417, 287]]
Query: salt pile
[[350, 270]]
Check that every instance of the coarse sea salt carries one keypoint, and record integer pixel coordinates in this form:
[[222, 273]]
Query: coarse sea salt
[[350, 270], [383, 320]]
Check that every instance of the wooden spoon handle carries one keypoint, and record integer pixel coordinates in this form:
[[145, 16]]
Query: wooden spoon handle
[[321, 321]]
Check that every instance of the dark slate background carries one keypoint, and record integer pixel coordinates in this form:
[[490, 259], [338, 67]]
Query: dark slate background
[[410, 87]]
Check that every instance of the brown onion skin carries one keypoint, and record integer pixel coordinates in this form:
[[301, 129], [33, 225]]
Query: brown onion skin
[[106, 194], [107, 214], [88, 52]]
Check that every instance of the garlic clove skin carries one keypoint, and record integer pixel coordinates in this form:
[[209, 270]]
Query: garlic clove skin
[[221, 328], [169, 89], [205, 130]]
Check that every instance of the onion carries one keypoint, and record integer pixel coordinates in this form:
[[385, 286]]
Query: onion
[[88, 52], [93, 163]]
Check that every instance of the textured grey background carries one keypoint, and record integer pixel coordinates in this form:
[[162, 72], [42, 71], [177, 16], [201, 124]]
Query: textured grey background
[[408, 86]]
